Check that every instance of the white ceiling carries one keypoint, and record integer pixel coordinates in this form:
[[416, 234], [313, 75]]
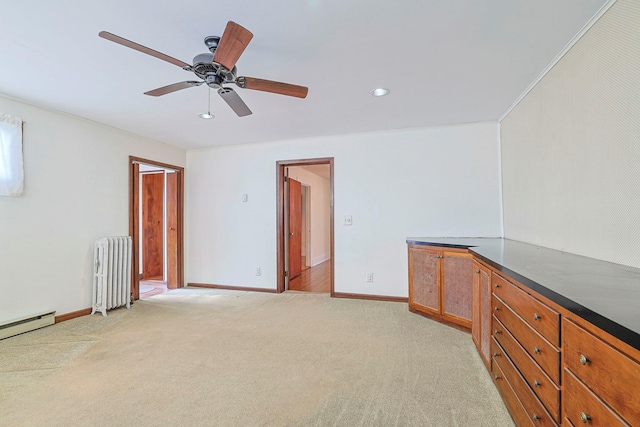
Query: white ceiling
[[445, 61]]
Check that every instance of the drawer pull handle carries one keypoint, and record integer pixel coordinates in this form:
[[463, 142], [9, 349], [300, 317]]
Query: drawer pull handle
[[536, 316], [497, 332], [536, 383], [477, 271], [536, 417], [536, 350], [498, 377], [584, 359], [497, 309], [496, 285], [584, 417], [496, 354]]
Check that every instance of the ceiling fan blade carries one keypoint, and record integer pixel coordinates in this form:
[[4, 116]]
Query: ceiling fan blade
[[128, 43], [273, 87], [236, 103], [172, 88], [233, 42]]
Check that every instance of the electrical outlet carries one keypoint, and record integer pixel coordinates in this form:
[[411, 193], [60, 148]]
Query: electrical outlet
[[257, 271], [370, 277], [245, 197]]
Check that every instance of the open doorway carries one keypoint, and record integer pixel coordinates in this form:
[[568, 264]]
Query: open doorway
[[156, 227], [305, 225]]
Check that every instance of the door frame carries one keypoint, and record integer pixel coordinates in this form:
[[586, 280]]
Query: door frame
[[307, 222], [134, 213], [280, 217]]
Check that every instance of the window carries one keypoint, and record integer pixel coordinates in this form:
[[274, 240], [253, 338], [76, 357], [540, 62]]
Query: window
[[11, 171]]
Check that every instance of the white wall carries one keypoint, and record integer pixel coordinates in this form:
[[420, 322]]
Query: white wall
[[76, 190], [571, 148], [425, 182], [320, 246]]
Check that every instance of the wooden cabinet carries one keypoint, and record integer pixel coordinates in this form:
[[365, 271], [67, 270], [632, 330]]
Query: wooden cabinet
[[545, 358], [440, 283], [547, 355], [526, 351], [481, 310], [600, 380]]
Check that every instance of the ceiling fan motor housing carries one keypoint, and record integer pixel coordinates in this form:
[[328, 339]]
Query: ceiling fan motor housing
[[203, 66]]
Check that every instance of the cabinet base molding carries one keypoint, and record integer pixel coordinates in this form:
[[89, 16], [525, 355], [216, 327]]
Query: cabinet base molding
[[369, 297], [439, 319]]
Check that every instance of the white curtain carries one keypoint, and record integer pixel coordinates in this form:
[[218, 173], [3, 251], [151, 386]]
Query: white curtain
[[11, 170]]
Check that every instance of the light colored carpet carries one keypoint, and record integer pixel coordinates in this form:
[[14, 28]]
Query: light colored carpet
[[201, 357]]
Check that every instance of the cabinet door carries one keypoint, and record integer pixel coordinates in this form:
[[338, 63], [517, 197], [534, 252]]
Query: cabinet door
[[424, 277], [457, 276], [485, 314], [481, 311], [476, 303]]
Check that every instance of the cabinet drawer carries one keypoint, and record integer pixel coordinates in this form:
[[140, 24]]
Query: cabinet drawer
[[541, 384], [541, 317], [582, 406], [540, 350], [611, 375], [534, 409], [516, 410]]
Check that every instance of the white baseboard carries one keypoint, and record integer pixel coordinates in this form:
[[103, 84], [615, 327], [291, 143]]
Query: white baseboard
[[320, 259]]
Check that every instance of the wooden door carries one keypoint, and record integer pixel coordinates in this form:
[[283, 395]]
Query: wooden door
[[172, 230], [424, 279], [152, 226], [456, 284], [295, 228]]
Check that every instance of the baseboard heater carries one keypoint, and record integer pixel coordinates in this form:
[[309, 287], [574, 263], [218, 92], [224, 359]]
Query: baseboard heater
[[26, 324]]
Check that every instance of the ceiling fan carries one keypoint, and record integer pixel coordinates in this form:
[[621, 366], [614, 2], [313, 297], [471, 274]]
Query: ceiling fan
[[217, 68]]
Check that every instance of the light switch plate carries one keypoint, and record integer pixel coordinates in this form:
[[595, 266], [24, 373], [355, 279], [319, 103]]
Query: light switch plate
[[348, 220]]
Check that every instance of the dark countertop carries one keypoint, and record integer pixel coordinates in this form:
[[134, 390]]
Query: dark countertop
[[601, 292]]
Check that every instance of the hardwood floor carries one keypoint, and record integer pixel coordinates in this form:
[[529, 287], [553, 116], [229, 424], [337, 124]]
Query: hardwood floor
[[314, 279], [159, 287], [304, 263]]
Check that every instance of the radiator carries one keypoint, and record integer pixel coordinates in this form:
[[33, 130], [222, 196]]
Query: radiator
[[26, 324], [112, 274]]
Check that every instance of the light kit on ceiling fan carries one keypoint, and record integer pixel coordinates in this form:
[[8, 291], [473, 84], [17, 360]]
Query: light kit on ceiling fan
[[208, 114], [216, 69]]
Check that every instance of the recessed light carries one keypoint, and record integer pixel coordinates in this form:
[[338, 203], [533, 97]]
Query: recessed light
[[380, 91], [206, 115]]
